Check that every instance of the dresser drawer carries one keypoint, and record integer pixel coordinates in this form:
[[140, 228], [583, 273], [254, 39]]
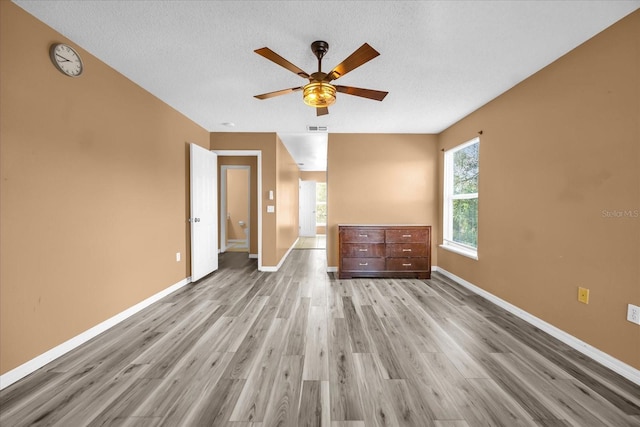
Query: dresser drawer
[[362, 235], [362, 250], [407, 235], [363, 264], [407, 264], [406, 250]]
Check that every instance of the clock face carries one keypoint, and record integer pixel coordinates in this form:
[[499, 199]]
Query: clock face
[[66, 59]]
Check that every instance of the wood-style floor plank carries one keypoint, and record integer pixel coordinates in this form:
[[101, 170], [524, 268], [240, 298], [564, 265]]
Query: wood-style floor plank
[[377, 407], [343, 387], [282, 409], [252, 402], [316, 365], [298, 347]]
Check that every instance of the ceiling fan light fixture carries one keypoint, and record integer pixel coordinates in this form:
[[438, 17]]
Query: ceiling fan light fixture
[[319, 94]]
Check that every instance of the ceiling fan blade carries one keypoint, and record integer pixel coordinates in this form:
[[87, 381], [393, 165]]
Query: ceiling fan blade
[[278, 93], [363, 54], [272, 56], [321, 111], [378, 95]]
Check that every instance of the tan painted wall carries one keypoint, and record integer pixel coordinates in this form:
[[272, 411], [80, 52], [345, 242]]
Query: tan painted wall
[[252, 162], [559, 167], [372, 179], [277, 173], [94, 196], [317, 176], [286, 198], [237, 203]]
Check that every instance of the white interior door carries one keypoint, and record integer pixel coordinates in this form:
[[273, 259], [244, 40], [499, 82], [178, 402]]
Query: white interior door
[[204, 212], [307, 212]]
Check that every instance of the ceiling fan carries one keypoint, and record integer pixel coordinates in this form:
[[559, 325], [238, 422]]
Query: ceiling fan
[[319, 92]]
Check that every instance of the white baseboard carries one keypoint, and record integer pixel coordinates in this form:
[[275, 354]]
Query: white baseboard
[[332, 269], [272, 269], [618, 366], [38, 362], [253, 256]]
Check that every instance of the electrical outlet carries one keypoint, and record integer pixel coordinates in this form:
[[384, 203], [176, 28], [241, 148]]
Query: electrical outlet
[[583, 295], [633, 314], [177, 256]]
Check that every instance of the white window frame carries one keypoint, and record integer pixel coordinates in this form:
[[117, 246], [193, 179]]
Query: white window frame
[[449, 197]]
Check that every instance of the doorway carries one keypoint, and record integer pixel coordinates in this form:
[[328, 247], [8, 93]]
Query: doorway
[[244, 158], [235, 209], [312, 213]]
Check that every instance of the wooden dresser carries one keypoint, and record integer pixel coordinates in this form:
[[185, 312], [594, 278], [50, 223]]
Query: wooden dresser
[[384, 251]]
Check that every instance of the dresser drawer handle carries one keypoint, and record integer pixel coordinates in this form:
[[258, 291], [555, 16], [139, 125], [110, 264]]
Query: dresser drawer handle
[[406, 250], [363, 250], [363, 235], [406, 265], [406, 235], [364, 264]]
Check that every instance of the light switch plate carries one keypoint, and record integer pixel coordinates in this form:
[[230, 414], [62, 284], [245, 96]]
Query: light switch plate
[[633, 314], [271, 209]]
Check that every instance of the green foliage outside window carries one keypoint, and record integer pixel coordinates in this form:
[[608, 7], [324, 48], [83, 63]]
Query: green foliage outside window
[[321, 203], [465, 170], [465, 222], [321, 214]]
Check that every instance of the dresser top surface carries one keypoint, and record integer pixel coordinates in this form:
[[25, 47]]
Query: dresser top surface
[[384, 225]]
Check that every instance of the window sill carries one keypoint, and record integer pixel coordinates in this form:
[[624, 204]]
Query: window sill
[[461, 251]]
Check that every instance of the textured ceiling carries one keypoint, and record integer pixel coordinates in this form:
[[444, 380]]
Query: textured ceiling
[[439, 60]]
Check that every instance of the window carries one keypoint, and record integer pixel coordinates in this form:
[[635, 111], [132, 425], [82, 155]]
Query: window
[[460, 213], [321, 203]]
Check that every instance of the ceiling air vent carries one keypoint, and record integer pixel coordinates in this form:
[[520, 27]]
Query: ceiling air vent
[[316, 128]]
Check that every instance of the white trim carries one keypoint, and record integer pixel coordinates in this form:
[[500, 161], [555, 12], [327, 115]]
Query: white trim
[[258, 154], [273, 269], [47, 357], [332, 269], [465, 196], [618, 366], [253, 256], [460, 250]]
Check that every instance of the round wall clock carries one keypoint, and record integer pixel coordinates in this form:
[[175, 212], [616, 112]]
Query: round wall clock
[[66, 59]]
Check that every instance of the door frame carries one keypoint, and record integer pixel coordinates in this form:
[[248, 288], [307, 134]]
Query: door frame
[[223, 205], [258, 155]]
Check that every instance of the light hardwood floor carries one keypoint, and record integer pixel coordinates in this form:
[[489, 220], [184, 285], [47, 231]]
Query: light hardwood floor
[[319, 241], [298, 347]]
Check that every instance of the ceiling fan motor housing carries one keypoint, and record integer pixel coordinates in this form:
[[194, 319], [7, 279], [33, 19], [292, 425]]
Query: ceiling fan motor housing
[[319, 49]]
